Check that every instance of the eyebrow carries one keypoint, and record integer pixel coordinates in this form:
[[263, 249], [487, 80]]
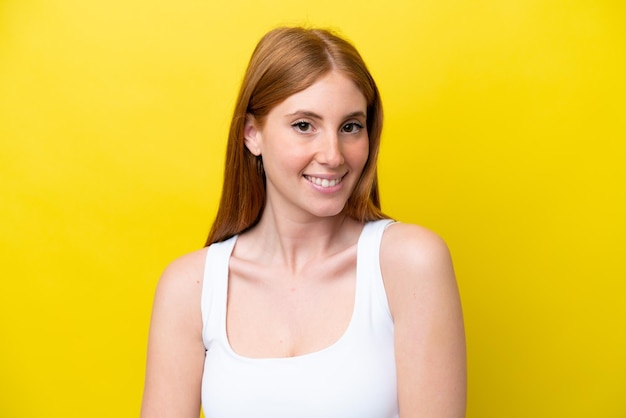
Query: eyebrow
[[314, 115]]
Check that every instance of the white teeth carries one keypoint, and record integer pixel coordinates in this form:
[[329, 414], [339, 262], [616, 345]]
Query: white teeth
[[323, 182]]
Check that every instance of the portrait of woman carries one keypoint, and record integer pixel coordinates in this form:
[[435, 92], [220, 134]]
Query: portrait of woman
[[205, 214], [308, 300]]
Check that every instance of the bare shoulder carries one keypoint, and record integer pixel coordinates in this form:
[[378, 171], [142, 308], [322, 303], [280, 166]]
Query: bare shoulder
[[419, 278], [412, 252], [184, 273], [413, 237], [179, 288]]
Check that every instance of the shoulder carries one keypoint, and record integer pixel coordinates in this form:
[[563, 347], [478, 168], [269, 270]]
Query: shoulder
[[408, 246], [184, 269], [181, 280], [176, 308], [416, 264]]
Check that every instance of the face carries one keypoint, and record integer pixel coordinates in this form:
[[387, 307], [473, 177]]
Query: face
[[314, 146]]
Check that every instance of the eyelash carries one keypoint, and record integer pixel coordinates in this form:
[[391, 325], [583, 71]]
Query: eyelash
[[356, 125], [298, 125]]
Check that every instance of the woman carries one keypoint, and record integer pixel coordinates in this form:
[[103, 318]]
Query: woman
[[308, 300]]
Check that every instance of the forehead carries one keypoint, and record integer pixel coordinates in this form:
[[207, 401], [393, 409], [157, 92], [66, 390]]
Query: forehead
[[332, 94]]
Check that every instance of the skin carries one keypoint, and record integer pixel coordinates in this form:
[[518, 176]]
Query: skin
[[292, 276]]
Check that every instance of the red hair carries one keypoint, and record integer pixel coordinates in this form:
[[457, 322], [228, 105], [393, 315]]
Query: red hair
[[287, 61]]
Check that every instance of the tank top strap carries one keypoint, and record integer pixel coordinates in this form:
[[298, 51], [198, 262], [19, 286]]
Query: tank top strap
[[215, 290], [370, 285]]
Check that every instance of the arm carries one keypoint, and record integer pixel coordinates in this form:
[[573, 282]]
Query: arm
[[175, 349], [429, 335]]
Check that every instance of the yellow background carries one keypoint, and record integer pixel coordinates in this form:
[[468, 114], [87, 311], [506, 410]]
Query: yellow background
[[505, 131]]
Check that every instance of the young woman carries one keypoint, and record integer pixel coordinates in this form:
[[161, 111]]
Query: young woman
[[307, 301]]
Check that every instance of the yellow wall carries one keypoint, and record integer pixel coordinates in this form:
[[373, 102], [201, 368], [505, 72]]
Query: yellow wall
[[505, 132]]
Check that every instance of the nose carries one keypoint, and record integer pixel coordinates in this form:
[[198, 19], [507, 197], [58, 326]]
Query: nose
[[330, 152]]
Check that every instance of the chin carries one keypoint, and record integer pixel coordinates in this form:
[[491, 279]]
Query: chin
[[327, 212]]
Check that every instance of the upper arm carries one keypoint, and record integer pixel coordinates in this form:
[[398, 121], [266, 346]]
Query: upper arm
[[428, 322], [176, 352]]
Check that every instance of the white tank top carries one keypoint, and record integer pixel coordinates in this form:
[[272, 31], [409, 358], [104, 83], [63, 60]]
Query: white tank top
[[354, 377]]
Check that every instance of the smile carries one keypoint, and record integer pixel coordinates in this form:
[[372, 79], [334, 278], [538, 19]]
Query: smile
[[324, 182]]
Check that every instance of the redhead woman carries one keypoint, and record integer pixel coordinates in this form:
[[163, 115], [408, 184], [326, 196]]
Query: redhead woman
[[307, 300]]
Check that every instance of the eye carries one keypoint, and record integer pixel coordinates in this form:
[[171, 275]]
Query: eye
[[352, 127], [302, 126]]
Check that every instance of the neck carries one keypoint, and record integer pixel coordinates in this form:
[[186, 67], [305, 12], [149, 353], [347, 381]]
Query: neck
[[295, 244]]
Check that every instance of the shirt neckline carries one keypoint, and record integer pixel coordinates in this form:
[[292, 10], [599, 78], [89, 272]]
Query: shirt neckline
[[336, 345]]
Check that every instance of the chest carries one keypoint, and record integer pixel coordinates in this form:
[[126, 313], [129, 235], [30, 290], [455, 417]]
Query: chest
[[272, 314]]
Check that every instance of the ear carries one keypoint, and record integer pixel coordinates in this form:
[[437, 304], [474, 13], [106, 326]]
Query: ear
[[251, 135]]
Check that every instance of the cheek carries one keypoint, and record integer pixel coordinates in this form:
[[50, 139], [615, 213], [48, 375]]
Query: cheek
[[360, 153], [284, 159]]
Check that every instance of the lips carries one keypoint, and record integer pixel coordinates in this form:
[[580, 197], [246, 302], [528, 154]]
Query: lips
[[324, 182]]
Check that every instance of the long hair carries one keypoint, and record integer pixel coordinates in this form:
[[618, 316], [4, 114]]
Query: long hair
[[287, 61]]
